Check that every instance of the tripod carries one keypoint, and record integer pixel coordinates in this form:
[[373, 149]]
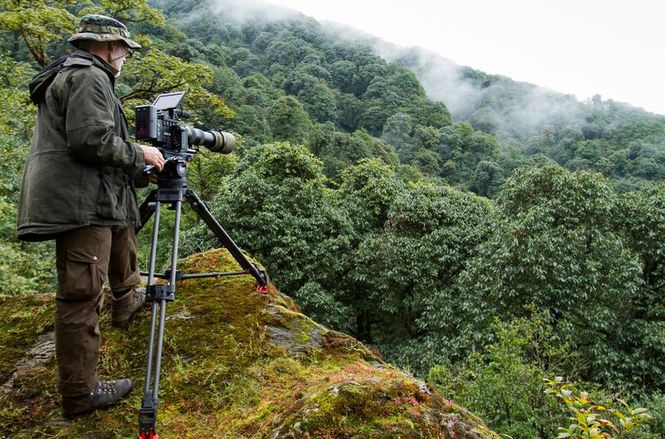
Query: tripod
[[173, 190]]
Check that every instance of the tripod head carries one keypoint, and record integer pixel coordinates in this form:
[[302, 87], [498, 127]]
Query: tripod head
[[174, 173]]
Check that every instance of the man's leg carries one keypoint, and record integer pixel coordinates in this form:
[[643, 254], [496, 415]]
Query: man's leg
[[82, 257], [124, 276]]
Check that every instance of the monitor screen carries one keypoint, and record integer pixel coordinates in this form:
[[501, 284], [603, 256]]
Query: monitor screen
[[167, 101]]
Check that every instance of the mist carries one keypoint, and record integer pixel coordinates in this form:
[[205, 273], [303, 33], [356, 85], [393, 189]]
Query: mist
[[242, 11], [491, 103]]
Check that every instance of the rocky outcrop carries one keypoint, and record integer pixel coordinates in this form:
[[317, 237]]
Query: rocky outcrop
[[236, 364]]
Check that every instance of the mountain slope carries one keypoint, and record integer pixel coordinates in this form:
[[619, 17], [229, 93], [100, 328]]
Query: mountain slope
[[623, 142]]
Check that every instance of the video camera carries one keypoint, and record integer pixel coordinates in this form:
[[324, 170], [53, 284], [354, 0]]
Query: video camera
[[158, 123]]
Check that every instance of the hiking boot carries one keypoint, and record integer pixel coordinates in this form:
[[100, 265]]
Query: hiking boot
[[124, 307], [104, 394]]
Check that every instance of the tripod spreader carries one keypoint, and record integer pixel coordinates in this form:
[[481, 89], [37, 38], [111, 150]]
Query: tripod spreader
[[159, 295]]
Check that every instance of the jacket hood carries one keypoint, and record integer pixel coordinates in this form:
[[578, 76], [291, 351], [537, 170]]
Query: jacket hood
[[42, 80]]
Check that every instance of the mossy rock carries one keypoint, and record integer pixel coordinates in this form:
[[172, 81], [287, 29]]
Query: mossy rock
[[236, 364]]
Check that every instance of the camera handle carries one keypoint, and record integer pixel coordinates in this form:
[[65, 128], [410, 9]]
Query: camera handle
[[159, 295], [150, 169]]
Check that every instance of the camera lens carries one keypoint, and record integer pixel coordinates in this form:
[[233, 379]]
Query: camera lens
[[216, 141]]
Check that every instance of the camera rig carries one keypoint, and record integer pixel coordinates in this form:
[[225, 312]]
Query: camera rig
[[158, 123]]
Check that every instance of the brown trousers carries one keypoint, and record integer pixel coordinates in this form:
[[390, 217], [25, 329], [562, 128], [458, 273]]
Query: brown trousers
[[84, 257]]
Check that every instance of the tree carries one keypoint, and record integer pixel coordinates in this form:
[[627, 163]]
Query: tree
[[343, 74], [487, 179], [640, 215], [465, 148], [368, 189], [504, 382], [244, 62], [127, 11], [427, 161], [319, 101], [25, 268], [288, 50], [397, 131], [558, 246], [409, 271], [339, 150], [40, 23], [154, 72], [289, 120], [37, 24]]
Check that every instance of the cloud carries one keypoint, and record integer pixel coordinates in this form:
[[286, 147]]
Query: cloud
[[492, 103], [243, 11]]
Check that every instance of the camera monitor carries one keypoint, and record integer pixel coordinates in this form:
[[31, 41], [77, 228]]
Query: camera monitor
[[167, 101]]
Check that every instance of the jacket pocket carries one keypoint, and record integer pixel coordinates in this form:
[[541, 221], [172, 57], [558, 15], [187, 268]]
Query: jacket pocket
[[112, 196], [82, 277]]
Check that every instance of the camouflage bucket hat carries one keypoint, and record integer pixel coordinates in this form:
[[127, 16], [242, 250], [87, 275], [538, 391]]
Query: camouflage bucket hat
[[102, 28]]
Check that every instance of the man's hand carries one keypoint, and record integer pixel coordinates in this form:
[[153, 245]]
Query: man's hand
[[153, 156]]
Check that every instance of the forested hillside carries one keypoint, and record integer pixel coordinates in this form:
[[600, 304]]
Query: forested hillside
[[622, 142], [339, 81], [487, 239]]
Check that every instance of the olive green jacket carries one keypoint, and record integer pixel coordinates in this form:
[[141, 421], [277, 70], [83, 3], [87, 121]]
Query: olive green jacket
[[81, 166]]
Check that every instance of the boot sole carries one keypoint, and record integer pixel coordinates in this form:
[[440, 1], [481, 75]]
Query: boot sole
[[88, 411]]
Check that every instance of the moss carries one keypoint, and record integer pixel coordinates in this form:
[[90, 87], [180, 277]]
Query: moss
[[23, 320], [224, 374]]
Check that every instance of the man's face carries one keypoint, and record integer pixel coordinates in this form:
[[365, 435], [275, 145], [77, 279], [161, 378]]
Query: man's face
[[117, 55]]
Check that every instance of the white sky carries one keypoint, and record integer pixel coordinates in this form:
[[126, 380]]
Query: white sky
[[583, 47]]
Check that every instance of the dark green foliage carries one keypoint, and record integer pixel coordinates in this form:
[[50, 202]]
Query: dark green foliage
[[564, 242], [409, 270], [24, 267], [288, 120], [655, 403], [487, 179], [339, 150]]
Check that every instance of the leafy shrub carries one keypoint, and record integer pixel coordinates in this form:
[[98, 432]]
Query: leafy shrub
[[504, 384]]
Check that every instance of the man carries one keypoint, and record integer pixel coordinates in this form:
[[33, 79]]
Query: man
[[78, 188]]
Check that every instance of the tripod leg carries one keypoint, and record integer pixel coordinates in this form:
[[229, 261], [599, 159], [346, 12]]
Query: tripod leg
[[159, 295], [162, 306], [148, 413], [204, 213], [151, 281]]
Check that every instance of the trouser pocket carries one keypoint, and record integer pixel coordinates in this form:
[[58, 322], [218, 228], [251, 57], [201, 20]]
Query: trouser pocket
[[81, 277], [82, 261]]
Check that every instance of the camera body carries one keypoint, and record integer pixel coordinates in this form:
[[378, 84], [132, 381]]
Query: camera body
[[158, 123], [161, 130]]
